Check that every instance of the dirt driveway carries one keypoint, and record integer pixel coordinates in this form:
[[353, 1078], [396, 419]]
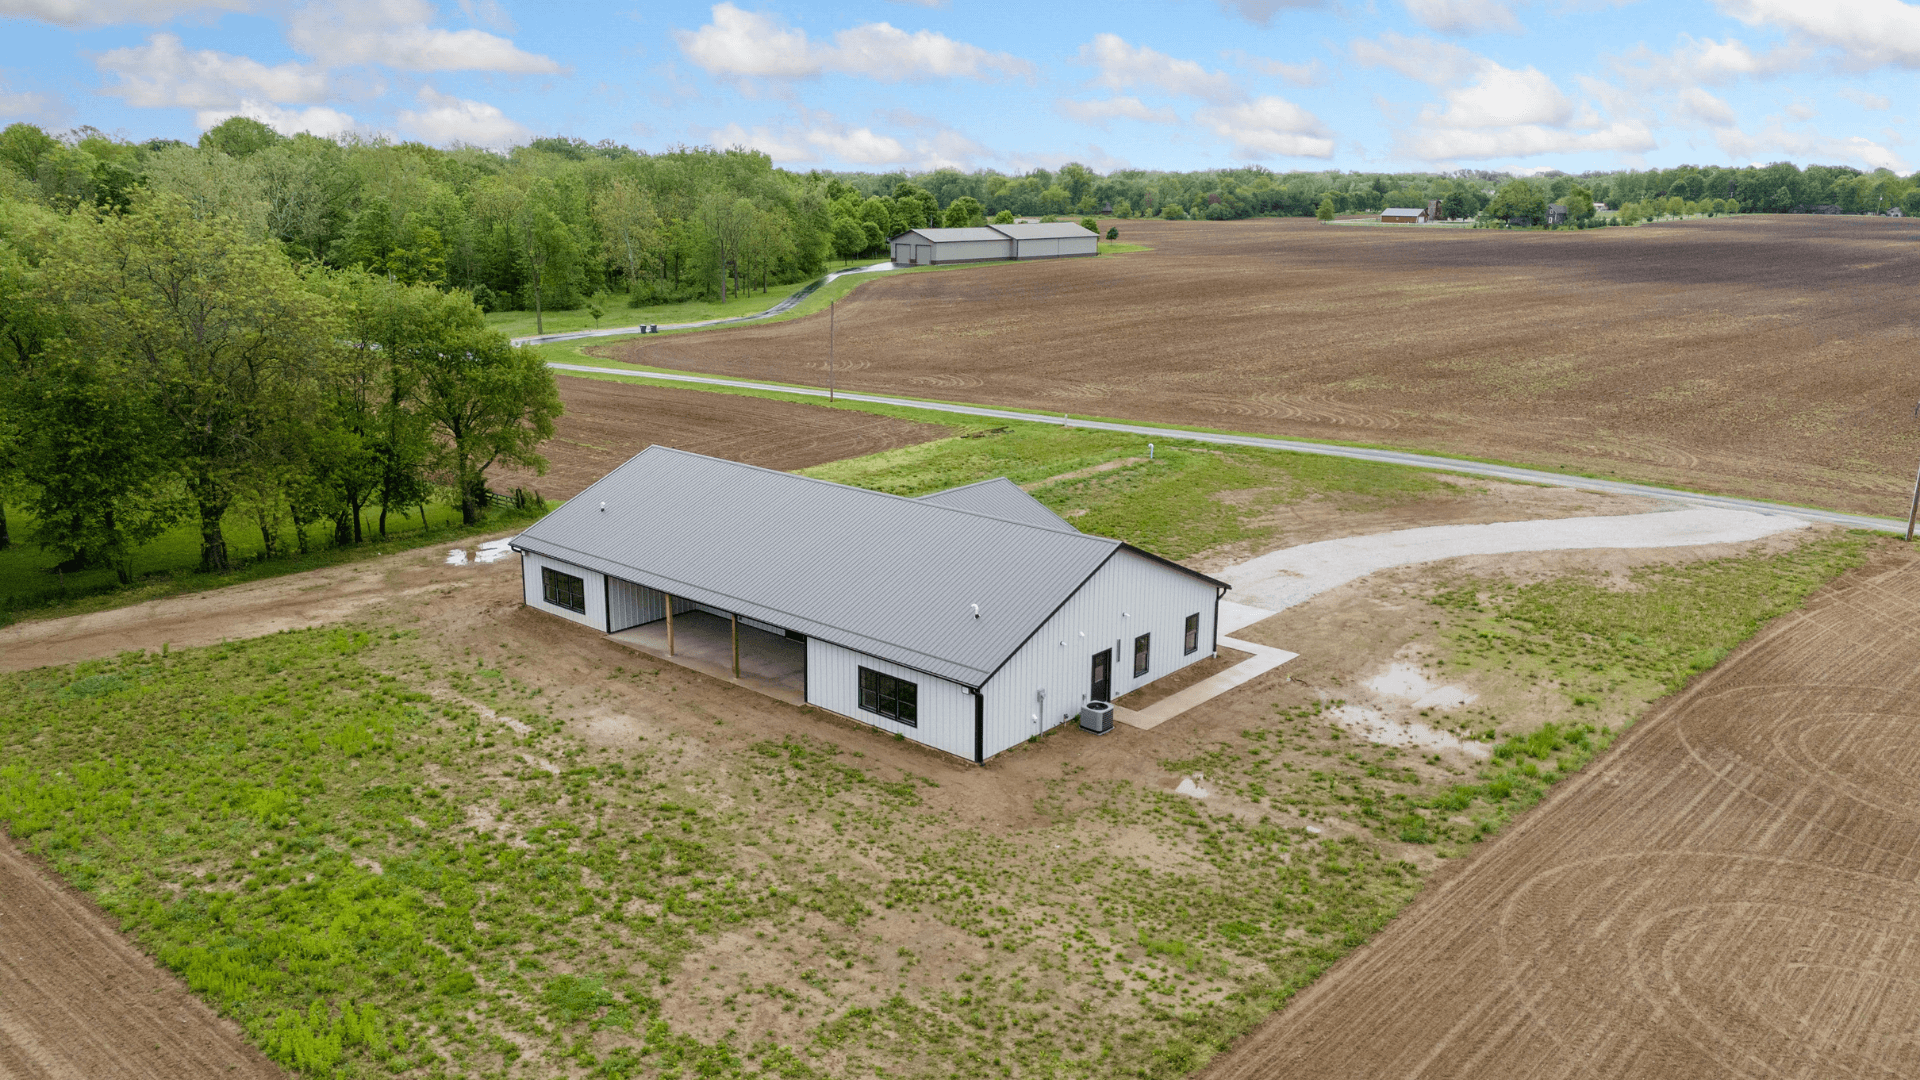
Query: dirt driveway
[[1733, 891]]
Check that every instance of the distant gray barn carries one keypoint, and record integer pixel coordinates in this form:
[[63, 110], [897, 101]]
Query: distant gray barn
[[969, 620], [994, 243], [1404, 215]]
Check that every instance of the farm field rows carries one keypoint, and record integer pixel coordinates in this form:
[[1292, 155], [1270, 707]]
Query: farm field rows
[[1731, 892], [1753, 356], [456, 836]]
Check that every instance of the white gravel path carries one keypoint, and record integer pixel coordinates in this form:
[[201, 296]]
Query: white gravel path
[[1280, 579]]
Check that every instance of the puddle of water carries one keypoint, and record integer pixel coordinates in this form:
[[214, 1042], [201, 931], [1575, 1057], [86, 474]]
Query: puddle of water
[[1190, 787], [1406, 681], [1374, 726], [457, 557], [491, 551]]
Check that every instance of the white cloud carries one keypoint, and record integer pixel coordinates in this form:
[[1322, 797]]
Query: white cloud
[[1865, 99], [751, 44], [397, 33], [315, 120], [109, 12], [1776, 142], [1269, 127], [1261, 12], [1435, 62], [1705, 62], [1123, 66], [1463, 16], [1115, 108], [1311, 73], [1868, 33], [820, 138], [1701, 107], [1502, 97], [1527, 140], [446, 119], [162, 74], [1800, 110], [23, 105], [489, 13]]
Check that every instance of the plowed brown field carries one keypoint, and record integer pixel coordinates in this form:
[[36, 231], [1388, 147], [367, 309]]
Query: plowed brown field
[[606, 423], [1733, 891], [1758, 356], [77, 1002]]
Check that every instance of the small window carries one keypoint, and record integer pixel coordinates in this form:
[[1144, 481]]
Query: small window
[[895, 699], [1142, 649], [564, 590], [1192, 644]]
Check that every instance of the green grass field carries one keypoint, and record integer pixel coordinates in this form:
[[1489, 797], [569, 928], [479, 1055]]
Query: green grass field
[[170, 564]]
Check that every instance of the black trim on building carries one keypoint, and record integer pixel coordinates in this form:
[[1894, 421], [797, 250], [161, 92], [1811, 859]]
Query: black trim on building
[[979, 727]]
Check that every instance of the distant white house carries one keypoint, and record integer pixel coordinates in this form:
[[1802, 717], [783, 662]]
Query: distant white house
[[1404, 215], [992, 243]]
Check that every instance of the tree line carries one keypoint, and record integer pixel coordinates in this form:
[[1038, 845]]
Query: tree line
[[165, 359]]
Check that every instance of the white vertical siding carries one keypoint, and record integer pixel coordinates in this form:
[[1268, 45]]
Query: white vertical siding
[[596, 613], [945, 708], [636, 605], [1129, 596], [970, 250]]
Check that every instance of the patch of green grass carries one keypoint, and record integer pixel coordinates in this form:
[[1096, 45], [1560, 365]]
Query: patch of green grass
[[615, 311], [169, 566], [1114, 247], [1188, 498]]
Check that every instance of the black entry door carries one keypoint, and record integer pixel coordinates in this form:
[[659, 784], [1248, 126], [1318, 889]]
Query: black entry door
[[1102, 675]]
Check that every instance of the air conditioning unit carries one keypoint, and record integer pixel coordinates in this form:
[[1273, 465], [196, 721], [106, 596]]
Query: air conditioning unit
[[1097, 717]]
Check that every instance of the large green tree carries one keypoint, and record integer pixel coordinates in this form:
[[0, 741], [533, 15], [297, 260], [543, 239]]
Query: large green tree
[[486, 402], [1518, 201]]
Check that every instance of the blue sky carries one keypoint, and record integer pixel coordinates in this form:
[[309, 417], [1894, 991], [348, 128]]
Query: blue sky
[[1522, 85]]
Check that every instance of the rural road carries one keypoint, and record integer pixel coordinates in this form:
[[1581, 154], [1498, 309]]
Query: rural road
[[780, 308], [1512, 473]]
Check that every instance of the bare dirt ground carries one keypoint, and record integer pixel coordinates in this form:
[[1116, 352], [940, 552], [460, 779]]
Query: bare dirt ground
[[607, 422], [1731, 891], [1757, 356], [78, 1002]]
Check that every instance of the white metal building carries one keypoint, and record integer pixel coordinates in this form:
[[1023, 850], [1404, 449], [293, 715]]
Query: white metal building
[[991, 243], [1404, 215], [967, 620]]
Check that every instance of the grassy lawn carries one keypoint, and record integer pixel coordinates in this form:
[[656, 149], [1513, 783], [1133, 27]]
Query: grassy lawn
[[169, 565], [333, 838], [1190, 497]]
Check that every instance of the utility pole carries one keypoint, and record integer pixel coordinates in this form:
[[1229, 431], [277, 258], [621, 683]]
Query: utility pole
[[830, 356], [1914, 513]]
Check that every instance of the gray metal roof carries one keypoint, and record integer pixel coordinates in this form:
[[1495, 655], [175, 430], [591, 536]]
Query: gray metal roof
[[1403, 211], [953, 236], [881, 574], [1044, 231], [1000, 498]]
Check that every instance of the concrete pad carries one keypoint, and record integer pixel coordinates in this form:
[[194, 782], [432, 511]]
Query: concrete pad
[[1263, 660], [772, 664]]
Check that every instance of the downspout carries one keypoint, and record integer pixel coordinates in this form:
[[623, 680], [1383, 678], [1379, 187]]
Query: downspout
[[979, 726], [1217, 594]]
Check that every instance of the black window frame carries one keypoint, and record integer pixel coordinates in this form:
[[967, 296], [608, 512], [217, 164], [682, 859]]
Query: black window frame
[[1142, 655], [1192, 640], [890, 696], [553, 581]]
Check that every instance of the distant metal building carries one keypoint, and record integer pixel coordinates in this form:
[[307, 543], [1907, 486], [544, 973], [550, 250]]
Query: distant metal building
[[1404, 215], [992, 243], [969, 620], [1557, 214]]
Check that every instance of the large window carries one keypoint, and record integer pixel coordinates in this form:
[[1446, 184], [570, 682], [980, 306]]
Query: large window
[[895, 699], [1192, 643], [564, 590], [1142, 654]]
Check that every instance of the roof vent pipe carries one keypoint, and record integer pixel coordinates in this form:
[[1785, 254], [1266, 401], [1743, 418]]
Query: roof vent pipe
[[603, 508], [976, 611]]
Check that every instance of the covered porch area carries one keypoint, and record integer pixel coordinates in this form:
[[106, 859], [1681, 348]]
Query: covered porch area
[[714, 643]]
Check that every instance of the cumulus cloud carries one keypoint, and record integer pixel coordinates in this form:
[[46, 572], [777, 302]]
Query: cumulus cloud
[[1777, 141], [1527, 140], [1503, 112], [1435, 62], [1700, 107], [1268, 127], [1123, 66], [110, 12], [750, 44], [314, 120], [1867, 33], [1115, 108], [820, 138], [399, 34], [163, 73], [1261, 12], [1705, 62], [1463, 16], [23, 104], [1865, 99], [1311, 73], [489, 13], [444, 119], [1502, 97]]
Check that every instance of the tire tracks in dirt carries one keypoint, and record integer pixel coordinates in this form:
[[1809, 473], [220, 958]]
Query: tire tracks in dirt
[[1732, 891]]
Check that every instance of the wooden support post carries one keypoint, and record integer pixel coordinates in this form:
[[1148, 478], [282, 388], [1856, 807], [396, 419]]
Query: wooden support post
[[736, 645], [669, 597]]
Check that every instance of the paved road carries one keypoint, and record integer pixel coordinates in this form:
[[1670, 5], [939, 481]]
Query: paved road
[[1357, 453], [780, 308]]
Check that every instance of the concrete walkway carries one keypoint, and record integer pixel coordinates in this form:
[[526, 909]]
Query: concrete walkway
[[1263, 660], [1356, 453], [780, 308]]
